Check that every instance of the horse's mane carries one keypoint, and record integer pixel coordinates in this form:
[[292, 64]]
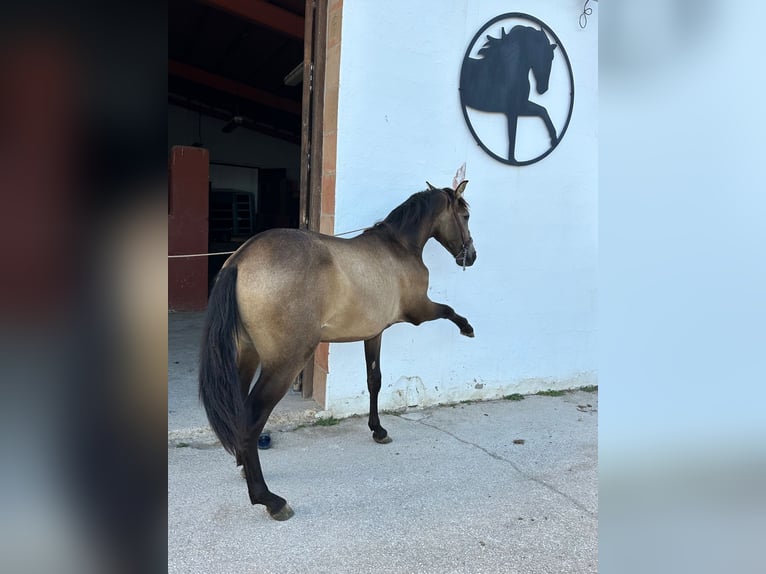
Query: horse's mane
[[410, 213], [493, 45], [406, 219]]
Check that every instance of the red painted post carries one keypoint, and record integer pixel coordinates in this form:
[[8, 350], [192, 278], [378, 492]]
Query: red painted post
[[188, 175]]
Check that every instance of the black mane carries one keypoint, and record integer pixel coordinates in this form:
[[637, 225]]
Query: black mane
[[493, 46], [405, 221]]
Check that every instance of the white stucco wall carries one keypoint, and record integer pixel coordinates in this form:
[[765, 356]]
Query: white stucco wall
[[531, 296]]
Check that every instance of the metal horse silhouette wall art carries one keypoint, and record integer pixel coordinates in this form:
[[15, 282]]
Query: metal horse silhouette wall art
[[498, 80]]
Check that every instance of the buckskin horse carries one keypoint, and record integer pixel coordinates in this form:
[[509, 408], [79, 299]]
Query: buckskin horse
[[286, 290]]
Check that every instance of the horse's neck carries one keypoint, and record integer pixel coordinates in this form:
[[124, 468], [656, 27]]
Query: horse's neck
[[414, 240], [510, 58], [423, 233], [423, 238]]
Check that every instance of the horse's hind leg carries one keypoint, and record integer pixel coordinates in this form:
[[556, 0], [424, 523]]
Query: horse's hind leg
[[372, 357], [513, 120], [270, 388], [248, 364]]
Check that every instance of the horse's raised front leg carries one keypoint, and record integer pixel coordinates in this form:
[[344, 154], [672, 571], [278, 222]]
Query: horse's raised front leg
[[533, 109], [372, 357], [430, 311]]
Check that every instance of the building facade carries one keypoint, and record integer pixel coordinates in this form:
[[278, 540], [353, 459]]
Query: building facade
[[396, 93], [531, 296]]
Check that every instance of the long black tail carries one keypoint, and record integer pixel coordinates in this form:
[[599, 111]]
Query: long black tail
[[218, 371]]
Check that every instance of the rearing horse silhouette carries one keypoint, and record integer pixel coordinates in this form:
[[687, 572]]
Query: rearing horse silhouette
[[499, 81]]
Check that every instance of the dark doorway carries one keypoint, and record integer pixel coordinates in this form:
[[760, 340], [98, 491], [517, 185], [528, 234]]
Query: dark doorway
[[246, 79], [235, 75], [240, 207]]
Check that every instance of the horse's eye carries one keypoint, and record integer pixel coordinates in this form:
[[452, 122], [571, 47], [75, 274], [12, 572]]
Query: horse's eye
[[466, 216]]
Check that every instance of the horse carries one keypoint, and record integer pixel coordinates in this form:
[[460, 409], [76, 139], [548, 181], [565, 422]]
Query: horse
[[499, 81], [286, 290]]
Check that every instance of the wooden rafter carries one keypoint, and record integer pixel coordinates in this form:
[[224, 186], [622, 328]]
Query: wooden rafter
[[263, 14], [238, 89]]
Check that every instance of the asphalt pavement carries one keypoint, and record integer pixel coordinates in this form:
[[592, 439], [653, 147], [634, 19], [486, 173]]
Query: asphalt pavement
[[501, 486]]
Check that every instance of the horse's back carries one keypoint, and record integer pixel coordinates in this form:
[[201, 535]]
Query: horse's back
[[281, 261], [325, 288], [280, 249]]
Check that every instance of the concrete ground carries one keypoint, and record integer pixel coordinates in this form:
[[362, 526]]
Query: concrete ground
[[503, 486]]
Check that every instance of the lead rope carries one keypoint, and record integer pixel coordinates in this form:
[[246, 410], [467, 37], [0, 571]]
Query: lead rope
[[230, 252], [464, 247]]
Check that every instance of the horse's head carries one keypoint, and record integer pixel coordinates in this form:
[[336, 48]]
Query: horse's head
[[451, 226], [541, 59]]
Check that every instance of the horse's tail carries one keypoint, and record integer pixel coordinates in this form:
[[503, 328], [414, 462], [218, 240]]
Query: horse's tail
[[219, 386]]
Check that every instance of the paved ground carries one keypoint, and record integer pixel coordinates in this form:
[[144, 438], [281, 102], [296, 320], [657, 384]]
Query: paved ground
[[451, 493]]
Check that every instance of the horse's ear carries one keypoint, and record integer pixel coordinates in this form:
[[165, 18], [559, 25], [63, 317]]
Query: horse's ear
[[431, 187], [459, 176], [461, 188]]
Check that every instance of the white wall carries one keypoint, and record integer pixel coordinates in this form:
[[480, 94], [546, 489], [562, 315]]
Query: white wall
[[531, 296]]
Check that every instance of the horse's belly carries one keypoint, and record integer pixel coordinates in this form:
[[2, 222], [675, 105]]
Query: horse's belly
[[356, 321], [351, 331]]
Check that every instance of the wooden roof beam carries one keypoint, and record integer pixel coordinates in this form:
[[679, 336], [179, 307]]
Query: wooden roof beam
[[238, 89], [263, 14]]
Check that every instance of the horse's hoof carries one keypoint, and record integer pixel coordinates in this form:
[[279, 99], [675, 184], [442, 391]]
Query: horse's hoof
[[384, 440], [286, 513], [467, 333]]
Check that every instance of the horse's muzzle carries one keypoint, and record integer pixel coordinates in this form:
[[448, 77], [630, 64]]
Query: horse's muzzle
[[467, 255]]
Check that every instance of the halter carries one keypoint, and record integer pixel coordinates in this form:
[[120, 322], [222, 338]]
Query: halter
[[464, 244]]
